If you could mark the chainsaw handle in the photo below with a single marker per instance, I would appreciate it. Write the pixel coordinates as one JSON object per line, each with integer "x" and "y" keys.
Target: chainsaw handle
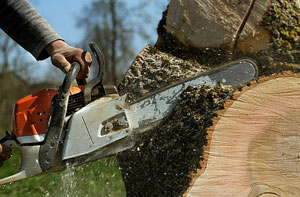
{"x": 81, "y": 82}
{"x": 29, "y": 165}
{"x": 101, "y": 69}
{"x": 70, "y": 77}
{"x": 97, "y": 81}
{"x": 48, "y": 150}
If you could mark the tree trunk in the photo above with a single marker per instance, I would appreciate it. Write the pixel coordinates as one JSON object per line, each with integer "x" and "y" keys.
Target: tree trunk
{"x": 219, "y": 141}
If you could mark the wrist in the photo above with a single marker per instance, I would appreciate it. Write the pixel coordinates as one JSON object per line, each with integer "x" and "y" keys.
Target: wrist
{"x": 55, "y": 45}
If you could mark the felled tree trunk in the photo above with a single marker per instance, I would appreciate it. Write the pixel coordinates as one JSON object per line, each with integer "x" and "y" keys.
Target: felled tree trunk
{"x": 219, "y": 141}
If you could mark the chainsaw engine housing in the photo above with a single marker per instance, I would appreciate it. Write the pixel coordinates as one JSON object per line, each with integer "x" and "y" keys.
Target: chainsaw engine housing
{"x": 31, "y": 114}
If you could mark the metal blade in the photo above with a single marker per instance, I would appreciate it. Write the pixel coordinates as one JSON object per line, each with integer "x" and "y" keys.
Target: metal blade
{"x": 152, "y": 108}
{"x": 81, "y": 147}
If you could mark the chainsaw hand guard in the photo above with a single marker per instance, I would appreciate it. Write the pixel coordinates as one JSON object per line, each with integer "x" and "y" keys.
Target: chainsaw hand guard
{"x": 37, "y": 159}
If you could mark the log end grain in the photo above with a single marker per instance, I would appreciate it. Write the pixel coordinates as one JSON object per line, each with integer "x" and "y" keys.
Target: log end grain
{"x": 253, "y": 147}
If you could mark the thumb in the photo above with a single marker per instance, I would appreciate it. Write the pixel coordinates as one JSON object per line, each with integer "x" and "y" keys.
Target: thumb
{"x": 60, "y": 62}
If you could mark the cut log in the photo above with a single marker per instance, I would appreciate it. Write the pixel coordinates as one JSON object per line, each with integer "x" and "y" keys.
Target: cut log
{"x": 212, "y": 23}
{"x": 253, "y": 147}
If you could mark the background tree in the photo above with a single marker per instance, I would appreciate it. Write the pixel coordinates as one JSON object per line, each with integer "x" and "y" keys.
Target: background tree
{"x": 105, "y": 24}
{"x": 12, "y": 57}
{"x": 115, "y": 25}
{"x": 16, "y": 78}
{"x": 11, "y": 67}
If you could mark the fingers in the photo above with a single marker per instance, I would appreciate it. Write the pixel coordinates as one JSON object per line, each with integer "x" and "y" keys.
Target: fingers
{"x": 61, "y": 62}
{"x": 63, "y": 58}
{"x": 62, "y": 55}
{"x": 5, "y": 153}
{"x": 85, "y": 60}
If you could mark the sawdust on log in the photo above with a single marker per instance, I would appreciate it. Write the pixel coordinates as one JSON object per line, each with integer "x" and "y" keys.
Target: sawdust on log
{"x": 163, "y": 160}
{"x": 153, "y": 69}
{"x": 283, "y": 22}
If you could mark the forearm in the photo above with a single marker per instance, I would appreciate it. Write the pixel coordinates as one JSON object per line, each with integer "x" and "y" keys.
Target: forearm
{"x": 27, "y": 27}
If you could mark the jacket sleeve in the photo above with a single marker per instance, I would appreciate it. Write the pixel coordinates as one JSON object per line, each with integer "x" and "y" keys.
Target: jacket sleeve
{"x": 27, "y": 27}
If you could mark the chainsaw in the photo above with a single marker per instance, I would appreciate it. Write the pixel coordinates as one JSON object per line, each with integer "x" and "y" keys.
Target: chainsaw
{"x": 71, "y": 126}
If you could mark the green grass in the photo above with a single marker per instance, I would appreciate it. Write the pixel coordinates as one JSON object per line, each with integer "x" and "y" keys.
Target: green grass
{"x": 99, "y": 178}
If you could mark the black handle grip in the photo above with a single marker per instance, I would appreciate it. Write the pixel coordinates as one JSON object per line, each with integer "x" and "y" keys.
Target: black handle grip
{"x": 100, "y": 60}
{"x": 81, "y": 82}
{"x": 97, "y": 81}
{"x": 48, "y": 151}
{"x": 70, "y": 77}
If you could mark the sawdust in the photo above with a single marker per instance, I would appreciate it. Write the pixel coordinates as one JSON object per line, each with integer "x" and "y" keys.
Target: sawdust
{"x": 282, "y": 21}
{"x": 153, "y": 69}
{"x": 161, "y": 163}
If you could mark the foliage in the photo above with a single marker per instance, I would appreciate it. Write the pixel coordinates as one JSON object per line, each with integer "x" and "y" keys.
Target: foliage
{"x": 105, "y": 24}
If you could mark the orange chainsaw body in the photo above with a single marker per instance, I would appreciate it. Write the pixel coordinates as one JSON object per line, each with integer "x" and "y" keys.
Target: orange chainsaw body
{"x": 31, "y": 115}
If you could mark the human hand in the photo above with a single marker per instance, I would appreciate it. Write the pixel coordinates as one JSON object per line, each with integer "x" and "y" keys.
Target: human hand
{"x": 62, "y": 55}
{"x": 5, "y": 153}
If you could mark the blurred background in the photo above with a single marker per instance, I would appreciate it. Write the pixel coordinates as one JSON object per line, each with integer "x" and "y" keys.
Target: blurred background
{"x": 121, "y": 29}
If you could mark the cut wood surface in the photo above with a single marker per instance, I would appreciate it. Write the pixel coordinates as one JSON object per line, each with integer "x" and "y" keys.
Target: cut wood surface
{"x": 212, "y": 23}
{"x": 254, "y": 146}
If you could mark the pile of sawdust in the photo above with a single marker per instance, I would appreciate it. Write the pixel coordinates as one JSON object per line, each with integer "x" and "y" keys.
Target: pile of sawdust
{"x": 163, "y": 160}
{"x": 152, "y": 70}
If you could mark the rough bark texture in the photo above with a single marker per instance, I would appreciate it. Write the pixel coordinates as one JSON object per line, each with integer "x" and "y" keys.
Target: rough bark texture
{"x": 274, "y": 44}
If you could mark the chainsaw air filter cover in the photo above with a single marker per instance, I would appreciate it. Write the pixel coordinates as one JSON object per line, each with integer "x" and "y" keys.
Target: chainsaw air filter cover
{"x": 31, "y": 114}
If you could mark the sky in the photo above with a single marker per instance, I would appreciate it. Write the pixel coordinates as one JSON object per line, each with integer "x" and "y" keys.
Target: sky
{"x": 62, "y": 15}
